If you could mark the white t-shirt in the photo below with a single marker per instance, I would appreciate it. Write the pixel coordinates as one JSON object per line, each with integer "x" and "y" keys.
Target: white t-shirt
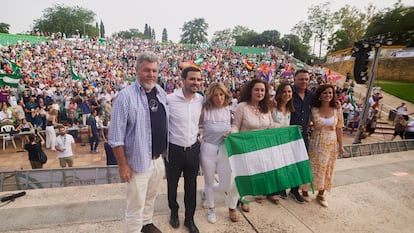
{"x": 65, "y": 142}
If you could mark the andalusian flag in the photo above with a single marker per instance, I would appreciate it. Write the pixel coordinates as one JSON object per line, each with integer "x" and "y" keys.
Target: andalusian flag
{"x": 267, "y": 161}
{"x": 9, "y": 80}
{"x": 72, "y": 72}
{"x": 15, "y": 67}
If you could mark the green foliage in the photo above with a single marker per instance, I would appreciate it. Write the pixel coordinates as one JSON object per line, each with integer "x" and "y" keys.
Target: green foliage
{"x": 102, "y": 30}
{"x": 131, "y": 33}
{"x": 403, "y": 90}
{"x": 68, "y": 20}
{"x": 164, "y": 35}
{"x": 320, "y": 21}
{"x": 398, "y": 21}
{"x": 304, "y": 31}
{"x": 353, "y": 24}
{"x": 194, "y": 31}
{"x": 223, "y": 38}
{"x": 4, "y": 28}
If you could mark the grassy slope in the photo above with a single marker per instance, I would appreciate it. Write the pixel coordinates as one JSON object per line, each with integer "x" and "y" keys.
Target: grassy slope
{"x": 403, "y": 90}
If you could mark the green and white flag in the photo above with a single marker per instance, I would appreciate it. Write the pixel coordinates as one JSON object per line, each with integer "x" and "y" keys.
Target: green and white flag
{"x": 9, "y": 80}
{"x": 267, "y": 161}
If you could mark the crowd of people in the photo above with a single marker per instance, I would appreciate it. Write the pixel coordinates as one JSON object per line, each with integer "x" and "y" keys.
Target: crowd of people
{"x": 168, "y": 113}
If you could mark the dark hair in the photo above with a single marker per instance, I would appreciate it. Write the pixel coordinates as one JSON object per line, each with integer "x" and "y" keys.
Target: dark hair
{"x": 278, "y": 97}
{"x": 189, "y": 69}
{"x": 246, "y": 94}
{"x": 316, "y": 102}
{"x": 301, "y": 71}
{"x": 31, "y": 138}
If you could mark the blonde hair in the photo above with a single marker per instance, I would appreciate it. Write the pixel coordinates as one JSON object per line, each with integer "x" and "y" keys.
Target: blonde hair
{"x": 210, "y": 94}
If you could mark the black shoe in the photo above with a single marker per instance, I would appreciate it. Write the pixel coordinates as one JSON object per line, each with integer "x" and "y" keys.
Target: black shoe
{"x": 282, "y": 194}
{"x": 297, "y": 197}
{"x": 191, "y": 227}
{"x": 174, "y": 221}
{"x": 150, "y": 228}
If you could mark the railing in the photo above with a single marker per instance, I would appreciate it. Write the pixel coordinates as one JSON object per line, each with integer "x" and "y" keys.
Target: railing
{"x": 64, "y": 177}
{"x": 357, "y": 150}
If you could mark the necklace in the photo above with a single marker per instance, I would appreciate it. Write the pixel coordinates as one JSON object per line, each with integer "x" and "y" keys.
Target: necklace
{"x": 257, "y": 112}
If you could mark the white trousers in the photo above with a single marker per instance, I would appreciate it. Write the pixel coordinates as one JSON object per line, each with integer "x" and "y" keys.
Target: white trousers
{"x": 213, "y": 158}
{"x": 84, "y": 118}
{"x": 50, "y": 137}
{"x": 141, "y": 192}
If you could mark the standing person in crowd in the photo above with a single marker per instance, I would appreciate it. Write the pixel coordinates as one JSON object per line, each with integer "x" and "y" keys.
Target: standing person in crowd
{"x": 402, "y": 109}
{"x": 51, "y": 121}
{"x": 326, "y": 140}
{"x": 93, "y": 132}
{"x": 86, "y": 112}
{"x": 346, "y": 109}
{"x": 216, "y": 122}
{"x": 64, "y": 146}
{"x": 183, "y": 157}
{"x": 302, "y": 99}
{"x": 138, "y": 138}
{"x": 34, "y": 147}
{"x": 281, "y": 115}
{"x": 253, "y": 113}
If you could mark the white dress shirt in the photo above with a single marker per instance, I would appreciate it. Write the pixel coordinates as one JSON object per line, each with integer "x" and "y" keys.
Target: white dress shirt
{"x": 184, "y": 118}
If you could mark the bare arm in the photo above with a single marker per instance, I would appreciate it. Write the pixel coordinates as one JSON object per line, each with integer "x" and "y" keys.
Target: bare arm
{"x": 125, "y": 171}
{"x": 339, "y": 131}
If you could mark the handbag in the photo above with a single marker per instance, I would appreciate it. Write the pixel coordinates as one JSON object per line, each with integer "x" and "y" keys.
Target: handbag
{"x": 42, "y": 157}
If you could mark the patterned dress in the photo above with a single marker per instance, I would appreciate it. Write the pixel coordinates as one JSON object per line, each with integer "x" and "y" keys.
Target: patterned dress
{"x": 323, "y": 148}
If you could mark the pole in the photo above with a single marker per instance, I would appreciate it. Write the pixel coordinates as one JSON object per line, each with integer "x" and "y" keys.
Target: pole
{"x": 362, "y": 119}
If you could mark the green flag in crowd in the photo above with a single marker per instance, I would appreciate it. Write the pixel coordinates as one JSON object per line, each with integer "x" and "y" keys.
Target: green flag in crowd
{"x": 9, "y": 79}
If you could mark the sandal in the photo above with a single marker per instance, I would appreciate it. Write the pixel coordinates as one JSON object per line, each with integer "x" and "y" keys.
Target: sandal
{"x": 321, "y": 200}
{"x": 273, "y": 199}
{"x": 258, "y": 199}
{"x": 234, "y": 216}
{"x": 244, "y": 205}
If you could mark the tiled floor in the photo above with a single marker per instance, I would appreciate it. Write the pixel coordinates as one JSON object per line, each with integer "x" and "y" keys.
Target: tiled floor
{"x": 16, "y": 159}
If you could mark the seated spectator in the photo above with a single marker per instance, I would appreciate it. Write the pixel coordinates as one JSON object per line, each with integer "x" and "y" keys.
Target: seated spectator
{"x": 6, "y": 116}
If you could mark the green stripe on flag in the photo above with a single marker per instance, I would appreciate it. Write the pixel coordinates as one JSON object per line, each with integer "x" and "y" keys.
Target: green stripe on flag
{"x": 276, "y": 180}
{"x": 267, "y": 138}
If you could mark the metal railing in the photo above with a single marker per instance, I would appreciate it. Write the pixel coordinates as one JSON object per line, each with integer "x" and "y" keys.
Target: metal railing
{"x": 64, "y": 177}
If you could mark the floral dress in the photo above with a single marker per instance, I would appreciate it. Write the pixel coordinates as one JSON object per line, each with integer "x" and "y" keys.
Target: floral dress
{"x": 324, "y": 148}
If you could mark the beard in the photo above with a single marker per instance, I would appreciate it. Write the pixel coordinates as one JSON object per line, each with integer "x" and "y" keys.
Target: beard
{"x": 148, "y": 87}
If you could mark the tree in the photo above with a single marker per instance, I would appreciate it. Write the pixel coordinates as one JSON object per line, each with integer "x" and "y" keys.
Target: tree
{"x": 4, "y": 28}
{"x": 97, "y": 26}
{"x": 223, "y": 38}
{"x": 248, "y": 38}
{"x": 153, "y": 34}
{"x": 303, "y": 30}
{"x": 164, "y": 35}
{"x": 398, "y": 21}
{"x": 353, "y": 24}
{"x": 149, "y": 36}
{"x": 270, "y": 37}
{"x": 321, "y": 22}
{"x": 194, "y": 31}
{"x": 293, "y": 44}
{"x": 146, "y": 30}
{"x": 68, "y": 20}
{"x": 102, "y": 29}
{"x": 131, "y": 33}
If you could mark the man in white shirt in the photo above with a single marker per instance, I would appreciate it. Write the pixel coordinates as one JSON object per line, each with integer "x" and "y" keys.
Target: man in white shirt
{"x": 64, "y": 144}
{"x": 183, "y": 156}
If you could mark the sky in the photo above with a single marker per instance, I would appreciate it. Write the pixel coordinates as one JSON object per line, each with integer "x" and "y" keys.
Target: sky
{"x": 119, "y": 15}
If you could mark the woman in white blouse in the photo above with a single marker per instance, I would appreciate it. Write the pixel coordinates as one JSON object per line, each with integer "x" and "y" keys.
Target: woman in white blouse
{"x": 281, "y": 116}
{"x": 253, "y": 113}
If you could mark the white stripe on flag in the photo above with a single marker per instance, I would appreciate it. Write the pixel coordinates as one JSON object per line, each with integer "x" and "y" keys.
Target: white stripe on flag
{"x": 268, "y": 159}
{"x": 7, "y": 79}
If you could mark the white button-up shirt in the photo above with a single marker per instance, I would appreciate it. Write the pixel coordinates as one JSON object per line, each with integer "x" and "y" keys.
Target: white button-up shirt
{"x": 184, "y": 118}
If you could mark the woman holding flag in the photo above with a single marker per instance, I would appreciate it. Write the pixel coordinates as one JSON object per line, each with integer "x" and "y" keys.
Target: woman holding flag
{"x": 215, "y": 121}
{"x": 325, "y": 143}
{"x": 253, "y": 113}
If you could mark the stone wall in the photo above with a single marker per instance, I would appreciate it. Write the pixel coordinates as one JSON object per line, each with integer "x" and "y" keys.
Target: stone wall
{"x": 398, "y": 69}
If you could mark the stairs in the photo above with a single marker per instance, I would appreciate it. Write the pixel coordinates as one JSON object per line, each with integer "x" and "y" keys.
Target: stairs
{"x": 384, "y": 127}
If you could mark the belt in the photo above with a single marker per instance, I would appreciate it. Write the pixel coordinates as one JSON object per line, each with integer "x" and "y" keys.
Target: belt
{"x": 185, "y": 149}
{"x": 154, "y": 157}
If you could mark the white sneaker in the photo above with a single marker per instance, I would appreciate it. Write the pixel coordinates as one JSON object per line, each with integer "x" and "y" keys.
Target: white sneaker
{"x": 203, "y": 199}
{"x": 211, "y": 215}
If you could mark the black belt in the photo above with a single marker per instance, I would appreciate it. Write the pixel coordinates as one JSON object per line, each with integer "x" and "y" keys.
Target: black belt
{"x": 188, "y": 148}
{"x": 156, "y": 156}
